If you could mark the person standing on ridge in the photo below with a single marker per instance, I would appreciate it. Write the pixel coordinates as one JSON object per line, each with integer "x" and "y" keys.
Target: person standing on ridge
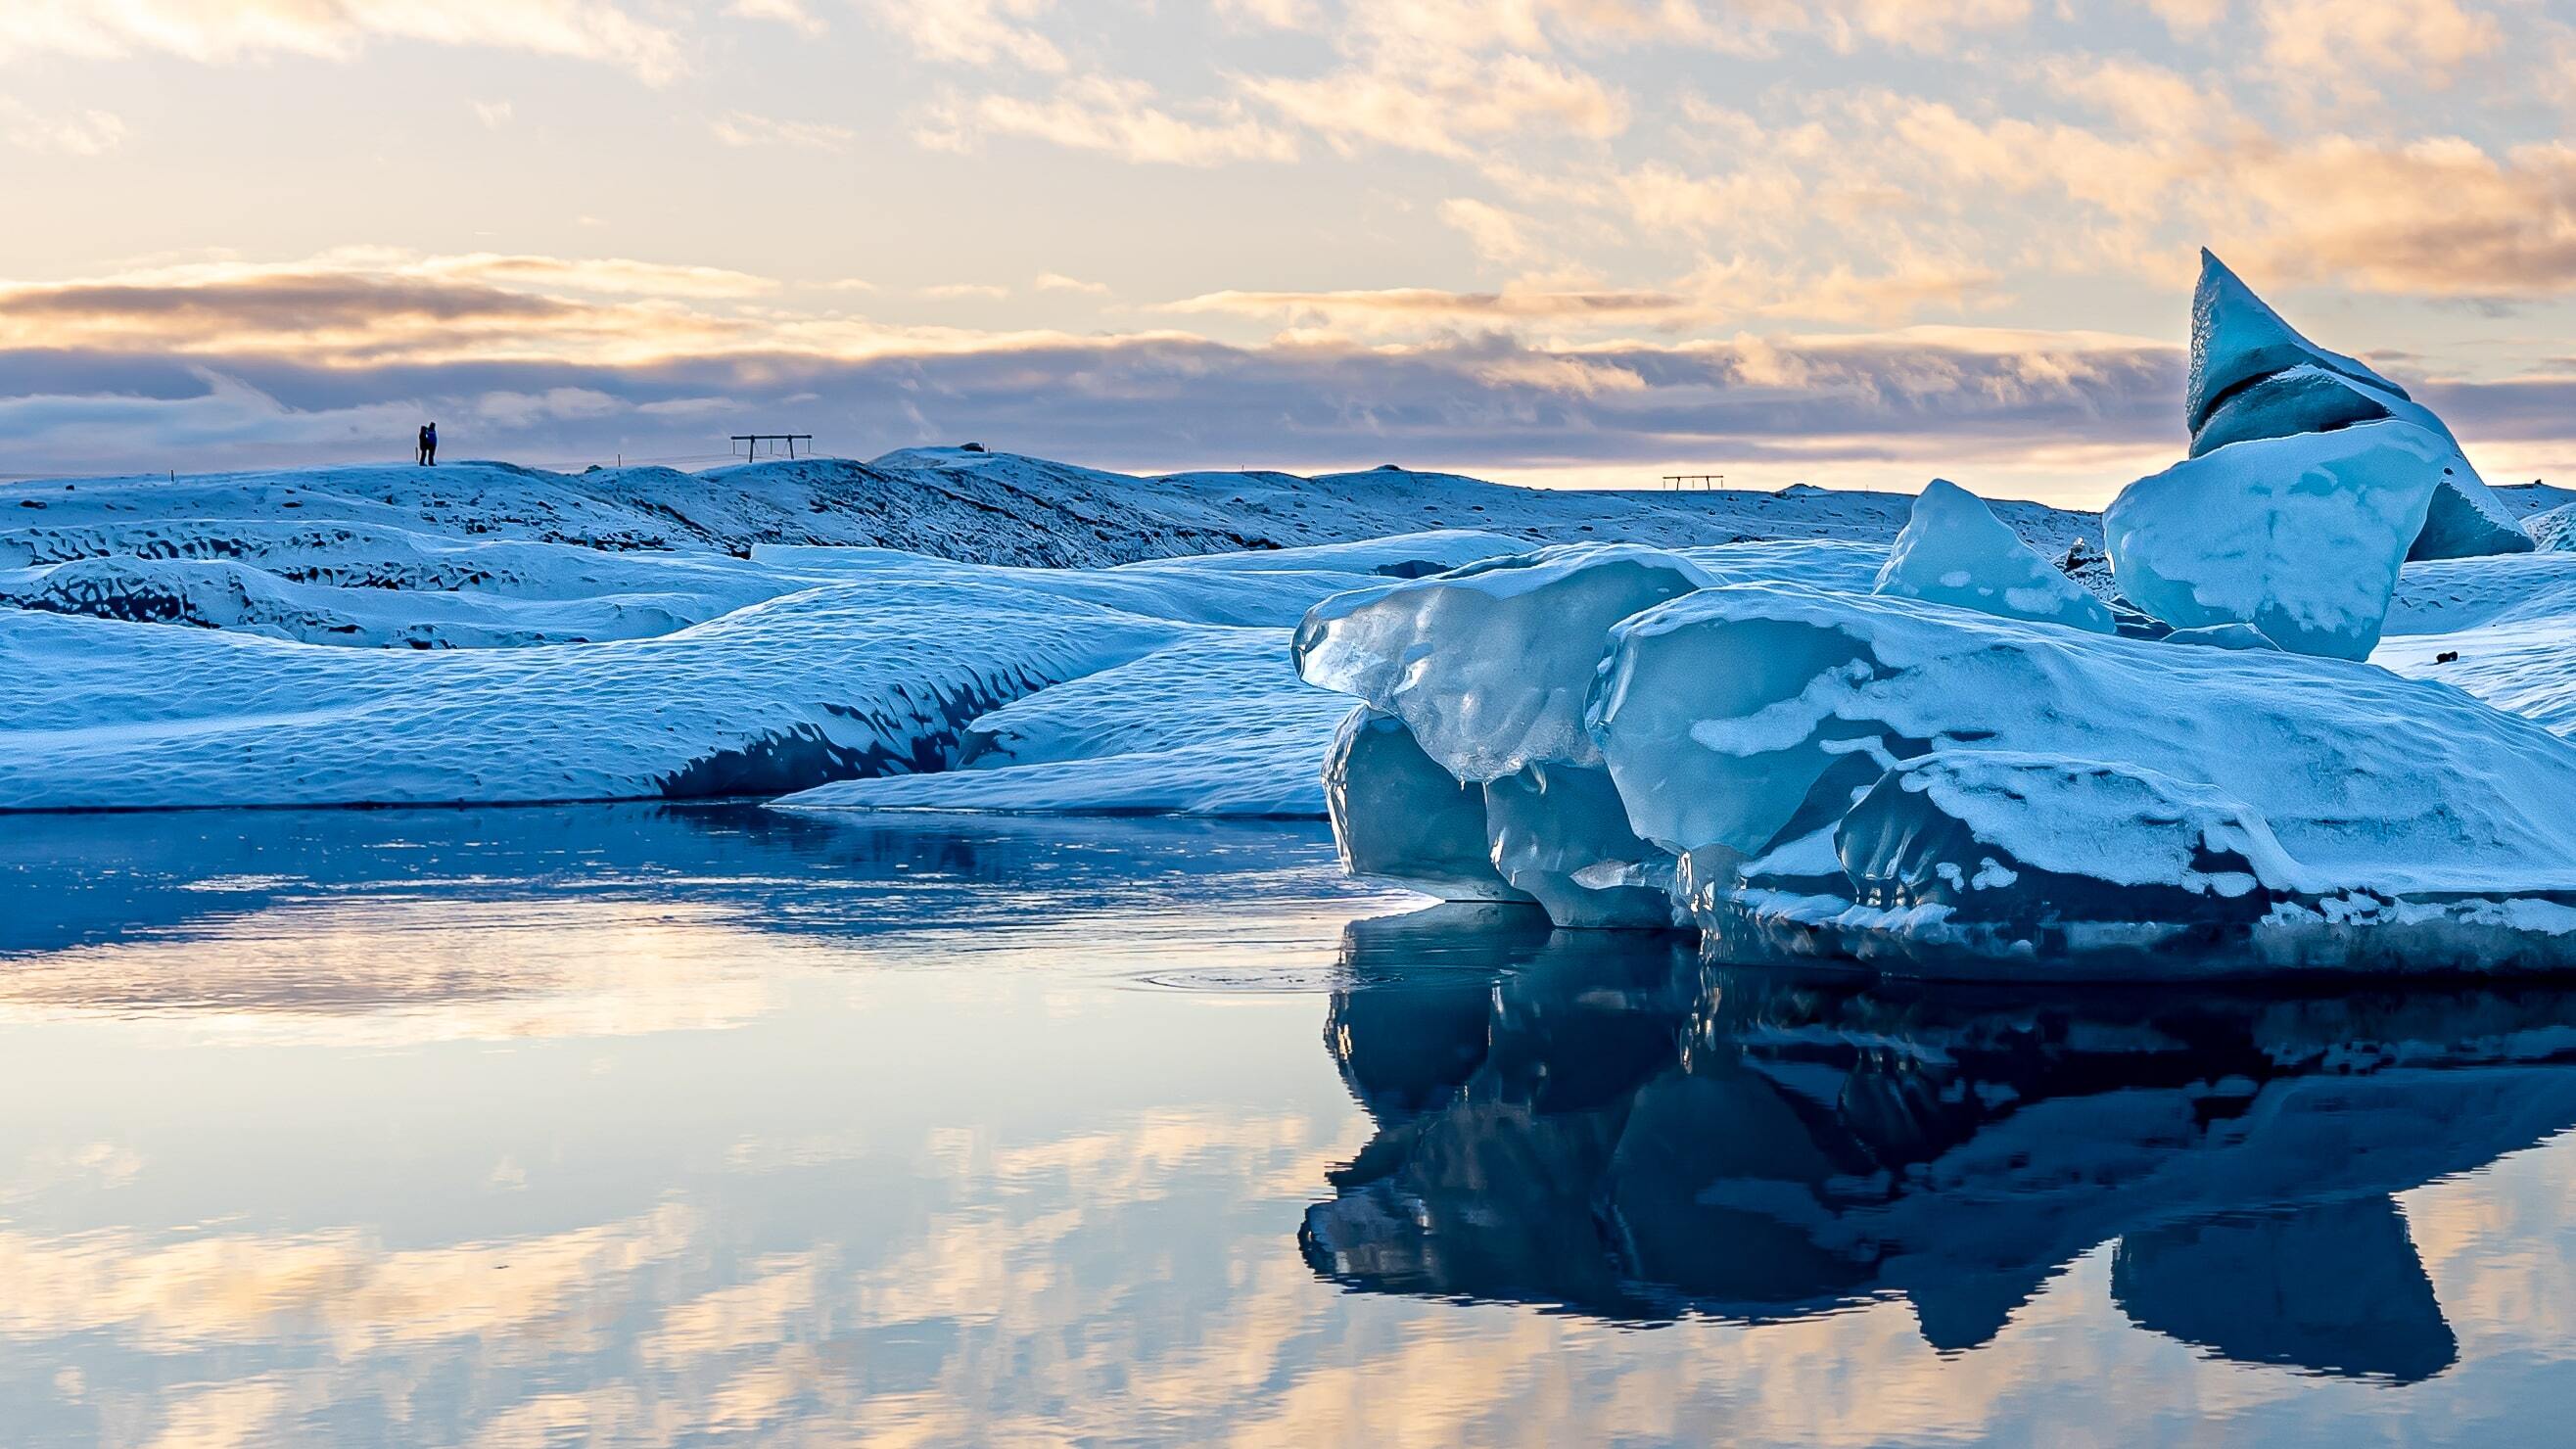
{"x": 428, "y": 445}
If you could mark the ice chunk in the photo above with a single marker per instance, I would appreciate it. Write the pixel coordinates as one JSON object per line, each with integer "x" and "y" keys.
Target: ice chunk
{"x": 1398, "y": 816}
{"x": 1818, "y": 563}
{"x": 1488, "y": 665}
{"x": 1955, "y": 551}
{"x": 2236, "y": 339}
{"x": 2467, "y": 520}
{"x": 2301, "y": 537}
{"x": 2305, "y": 399}
{"x": 2253, "y": 377}
{"x": 1561, "y": 834}
{"x": 2125, "y": 843}
{"x": 1747, "y": 719}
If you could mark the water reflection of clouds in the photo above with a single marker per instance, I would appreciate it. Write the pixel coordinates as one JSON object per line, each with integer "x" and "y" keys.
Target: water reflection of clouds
{"x": 410, "y": 972}
{"x": 952, "y": 1205}
{"x": 1037, "y": 1306}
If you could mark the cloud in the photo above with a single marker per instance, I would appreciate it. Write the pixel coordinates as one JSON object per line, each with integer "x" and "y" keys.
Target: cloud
{"x": 2337, "y": 44}
{"x": 244, "y": 30}
{"x": 744, "y": 129}
{"x": 973, "y": 291}
{"x": 1923, "y": 25}
{"x": 493, "y": 114}
{"x": 1059, "y": 282}
{"x": 87, "y": 132}
{"x": 379, "y": 304}
{"x": 139, "y": 430}
{"x": 790, "y": 13}
{"x": 1782, "y": 407}
{"x": 1121, "y": 117}
{"x": 1445, "y": 104}
{"x": 2438, "y": 217}
{"x": 1276, "y": 14}
{"x": 974, "y": 32}
{"x": 2189, "y": 18}
{"x": 1410, "y": 306}
{"x": 1496, "y": 234}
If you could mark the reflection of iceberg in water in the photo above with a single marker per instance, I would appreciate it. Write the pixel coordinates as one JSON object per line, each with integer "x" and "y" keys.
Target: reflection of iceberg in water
{"x": 2331, "y": 1285}
{"x": 1606, "y": 1126}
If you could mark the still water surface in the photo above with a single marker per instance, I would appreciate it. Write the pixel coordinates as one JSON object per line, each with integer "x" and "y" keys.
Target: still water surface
{"x": 721, "y": 1124}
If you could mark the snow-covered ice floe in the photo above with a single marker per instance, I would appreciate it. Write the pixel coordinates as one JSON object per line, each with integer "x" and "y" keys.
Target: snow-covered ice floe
{"x": 1937, "y": 789}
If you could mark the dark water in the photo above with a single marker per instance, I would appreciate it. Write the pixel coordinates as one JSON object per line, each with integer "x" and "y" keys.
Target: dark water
{"x": 676, "y": 1125}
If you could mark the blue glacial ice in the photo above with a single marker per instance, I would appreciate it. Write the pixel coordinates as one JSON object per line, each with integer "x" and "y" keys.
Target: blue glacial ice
{"x": 1955, "y": 551}
{"x": 2254, "y": 376}
{"x": 1938, "y": 790}
{"x": 2300, "y": 537}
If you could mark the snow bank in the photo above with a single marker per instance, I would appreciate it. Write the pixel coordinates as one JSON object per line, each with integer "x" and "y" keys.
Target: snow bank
{"x": 847, "y": 663}
{"x": 1216, "y": 723}
{"x": 2502, "y": 629}
{"x": 832, "y": 682}
{"x": 2553, "y": 531}
{"x": 383, "y": 588}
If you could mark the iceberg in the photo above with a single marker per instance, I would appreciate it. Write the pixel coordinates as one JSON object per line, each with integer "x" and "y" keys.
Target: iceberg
{"x": 1398, "y": 816}
{"x": 2301, "y": 537}
{"x": 1560, "y": 834}
{"x": 2255, "y": 377}
{"x": 1488, "y": 665}
{"x": 1955, "y": 551}
{"x": 1999, "y": 795}
{"x": 2237, "y": 339}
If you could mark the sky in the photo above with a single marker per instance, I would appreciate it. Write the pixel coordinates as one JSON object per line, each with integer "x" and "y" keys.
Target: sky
{"x": 1854, "y": 243}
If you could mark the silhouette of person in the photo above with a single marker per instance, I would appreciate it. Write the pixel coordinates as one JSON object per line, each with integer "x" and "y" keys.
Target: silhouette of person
{"x": 429, "y": 445}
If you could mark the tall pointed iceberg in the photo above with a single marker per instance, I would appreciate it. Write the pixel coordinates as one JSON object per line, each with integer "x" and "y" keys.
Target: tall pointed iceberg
{"x": 2254, "y": 376}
